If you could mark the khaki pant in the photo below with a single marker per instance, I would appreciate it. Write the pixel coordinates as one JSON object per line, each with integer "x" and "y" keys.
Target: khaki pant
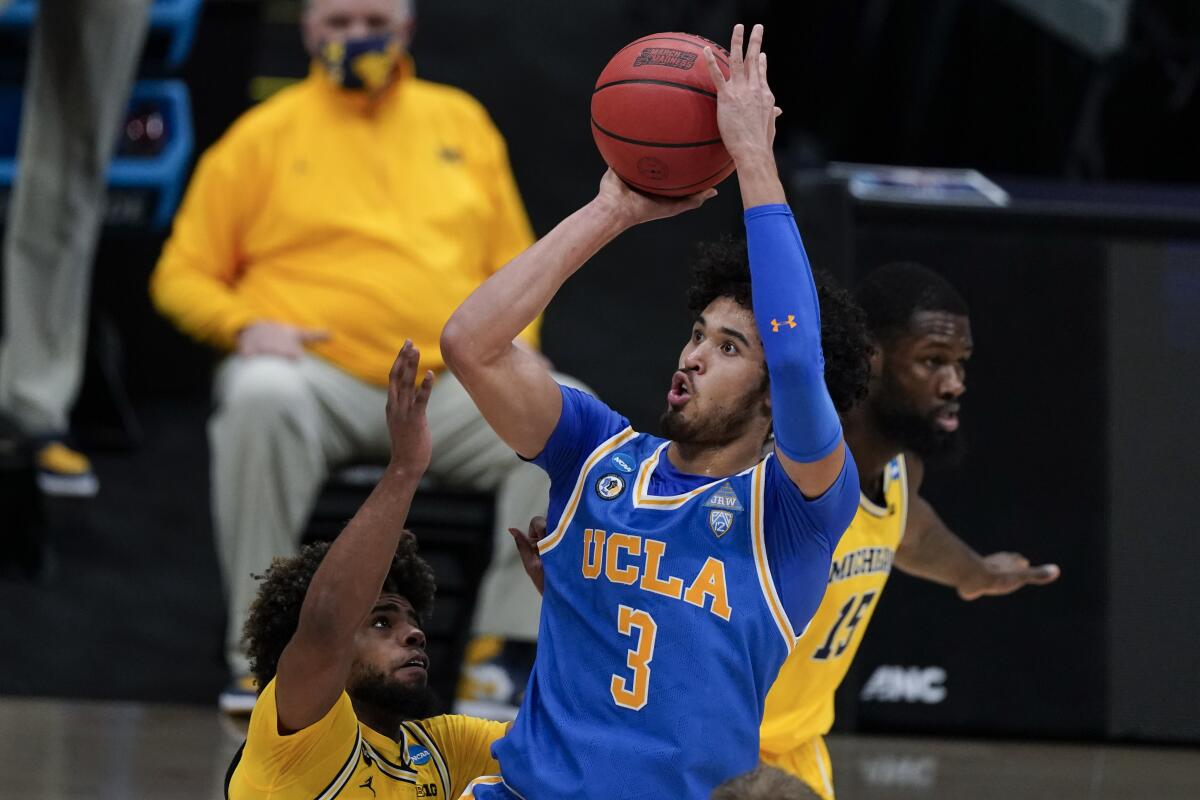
{"x": 281, "y": 425}
{"x": 82, "y": 62}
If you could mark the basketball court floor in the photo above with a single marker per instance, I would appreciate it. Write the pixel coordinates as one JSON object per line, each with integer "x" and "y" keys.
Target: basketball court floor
{"x": 64, "y": 750}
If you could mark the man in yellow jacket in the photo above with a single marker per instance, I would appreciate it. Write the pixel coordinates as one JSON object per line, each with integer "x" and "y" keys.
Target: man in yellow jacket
{"x": 346, "y": 214}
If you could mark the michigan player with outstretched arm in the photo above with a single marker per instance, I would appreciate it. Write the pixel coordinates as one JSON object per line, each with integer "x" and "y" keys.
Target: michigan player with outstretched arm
{"x": 678, "y": 571}
{"x": 922, "y": 337}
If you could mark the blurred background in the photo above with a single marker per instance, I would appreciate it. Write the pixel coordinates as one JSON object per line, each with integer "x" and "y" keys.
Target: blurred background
{"x": 1082, "y": 273}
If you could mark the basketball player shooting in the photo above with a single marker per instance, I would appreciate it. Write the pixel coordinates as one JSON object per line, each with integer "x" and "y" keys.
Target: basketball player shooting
{"x": 678, "y": 571}
{"x": 681, "y": 570}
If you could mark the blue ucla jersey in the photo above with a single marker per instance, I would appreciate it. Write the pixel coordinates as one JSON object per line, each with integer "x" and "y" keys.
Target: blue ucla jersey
{"x": 671, "y": 601}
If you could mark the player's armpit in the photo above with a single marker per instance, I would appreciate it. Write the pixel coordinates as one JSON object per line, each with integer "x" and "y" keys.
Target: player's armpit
{"x": 814, "y": 478}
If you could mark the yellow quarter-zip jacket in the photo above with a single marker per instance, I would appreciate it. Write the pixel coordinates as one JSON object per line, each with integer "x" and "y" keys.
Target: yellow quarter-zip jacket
{"x": 372, "y": 222}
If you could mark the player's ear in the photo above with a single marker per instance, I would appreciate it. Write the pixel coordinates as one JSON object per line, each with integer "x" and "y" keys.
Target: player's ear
{"x": 876, "y": 359}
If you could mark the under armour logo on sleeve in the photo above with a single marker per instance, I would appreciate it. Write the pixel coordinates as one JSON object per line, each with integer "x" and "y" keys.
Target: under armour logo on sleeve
{"x": 790, "y": 322}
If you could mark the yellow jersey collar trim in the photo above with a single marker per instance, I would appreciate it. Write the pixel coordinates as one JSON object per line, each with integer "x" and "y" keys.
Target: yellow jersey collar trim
{"x": 383, "y": 745}
{"x": 870, "y": 506}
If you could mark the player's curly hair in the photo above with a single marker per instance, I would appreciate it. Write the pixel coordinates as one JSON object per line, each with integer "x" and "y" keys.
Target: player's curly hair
{"x": 275, "y": 613}
{"x": 722, "y": 269}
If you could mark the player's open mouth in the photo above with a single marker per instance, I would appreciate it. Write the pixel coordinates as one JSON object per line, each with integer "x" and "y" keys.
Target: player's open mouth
{"x": 416, "y": 661}
{"x": 681, "y": 390}
{"x": 947, "y": 419}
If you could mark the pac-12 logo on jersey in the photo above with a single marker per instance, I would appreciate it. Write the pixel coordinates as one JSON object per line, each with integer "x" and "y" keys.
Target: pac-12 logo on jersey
{"x": 720, "y": 521}
{"x": 609, "y": 486}
{"x": 622, "y": 462}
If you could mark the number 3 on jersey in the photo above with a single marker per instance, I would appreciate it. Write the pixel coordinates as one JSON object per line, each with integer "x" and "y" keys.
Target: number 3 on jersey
{"x": 823, "y": 652}
{"x": 632, "y": 693}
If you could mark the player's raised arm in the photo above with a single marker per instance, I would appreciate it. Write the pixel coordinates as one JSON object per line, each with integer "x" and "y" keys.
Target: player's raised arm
{"x": 930, "y": 550}
{"x": 808, "y": 433}
{"x": 512, "y": 387}
{"x": 314, "y": 665}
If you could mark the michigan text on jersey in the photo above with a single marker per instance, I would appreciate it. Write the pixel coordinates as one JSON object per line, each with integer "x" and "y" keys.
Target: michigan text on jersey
{"x": 863, "y": 561}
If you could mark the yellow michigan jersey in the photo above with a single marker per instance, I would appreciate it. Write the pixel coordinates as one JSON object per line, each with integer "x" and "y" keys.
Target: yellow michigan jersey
{"x": 340, "y": 757}
{"x": 799, "y": 708}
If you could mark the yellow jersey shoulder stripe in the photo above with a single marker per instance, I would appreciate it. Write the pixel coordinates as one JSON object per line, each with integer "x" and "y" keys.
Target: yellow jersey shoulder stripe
{"x": 604, "y": 448}
{"x": 422, "y": 736}
{"x": 903, "y": 495}
{"x": 343, "y": 777}
{"x": 388, "y": 768}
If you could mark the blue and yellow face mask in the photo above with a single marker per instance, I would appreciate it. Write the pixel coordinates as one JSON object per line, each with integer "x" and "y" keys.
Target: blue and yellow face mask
{"x": 368, "y": 63}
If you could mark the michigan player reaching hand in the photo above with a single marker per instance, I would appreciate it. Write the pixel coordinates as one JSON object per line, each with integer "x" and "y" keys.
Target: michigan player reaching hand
{"x": 680, "y": 570}
{"x": 922, "y": 337}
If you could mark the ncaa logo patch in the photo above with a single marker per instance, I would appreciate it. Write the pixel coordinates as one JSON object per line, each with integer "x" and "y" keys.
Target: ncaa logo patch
{"x": 622, "y": 462}
{"x": 894, "y": 470}
{"x": 720, "y": 521}
{"x": 417, "y": 755}
{"x": 609, "y": 486}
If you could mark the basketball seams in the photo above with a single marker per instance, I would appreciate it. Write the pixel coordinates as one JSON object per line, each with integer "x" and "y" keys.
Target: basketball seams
{"x": 655, "y": 82}
{"x": 660, "y": 189}
{"x": 642, "y": 143}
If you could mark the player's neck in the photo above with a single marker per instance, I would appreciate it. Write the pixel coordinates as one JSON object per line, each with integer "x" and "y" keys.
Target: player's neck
{"x": 872, "y": 450}
{"x": 383, "y": 722}
{"x": 716, "y": 461}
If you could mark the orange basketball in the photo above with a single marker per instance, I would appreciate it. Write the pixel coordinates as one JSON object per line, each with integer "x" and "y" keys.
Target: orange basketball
{"x": 654, "y": 115}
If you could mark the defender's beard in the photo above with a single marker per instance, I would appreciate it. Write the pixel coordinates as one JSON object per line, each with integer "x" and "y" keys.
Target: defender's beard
{"x": 903, "y": 424}
{"x": 374, "y": 688}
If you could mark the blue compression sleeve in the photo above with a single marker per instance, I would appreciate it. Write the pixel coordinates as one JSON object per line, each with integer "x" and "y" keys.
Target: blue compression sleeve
{"x": 788, "y": 314}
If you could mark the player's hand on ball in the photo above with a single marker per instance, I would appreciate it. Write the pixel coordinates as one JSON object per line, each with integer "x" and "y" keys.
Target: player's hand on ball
{"x": 633, "y": 207}
{"x": 1004, "y": 573}
{"x": 526, "y": 543}
{"x": 407, "y": 426}
{"x": 746, "y": 108}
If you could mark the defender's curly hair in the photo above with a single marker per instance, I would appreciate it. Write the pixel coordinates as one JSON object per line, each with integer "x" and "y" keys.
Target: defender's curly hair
{"x": 275, "y": 613}
{"x": 722, "y": 269}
